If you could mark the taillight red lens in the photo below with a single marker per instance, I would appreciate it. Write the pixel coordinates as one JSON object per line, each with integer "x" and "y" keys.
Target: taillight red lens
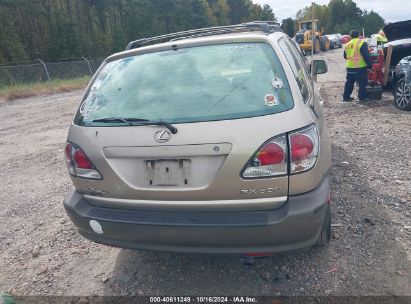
{"x": 81, "y": 160}
{"x": 78, "y": 163}
{"x": 271, "y": 154}
{"x": 301, "y": 147}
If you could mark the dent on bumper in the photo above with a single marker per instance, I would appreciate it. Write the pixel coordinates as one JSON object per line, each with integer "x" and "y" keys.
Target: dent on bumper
{"x": 295, "y": 225}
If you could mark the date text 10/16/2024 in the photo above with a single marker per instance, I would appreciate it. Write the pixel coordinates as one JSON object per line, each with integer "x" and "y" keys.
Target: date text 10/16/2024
{"x": 204, "y": 299}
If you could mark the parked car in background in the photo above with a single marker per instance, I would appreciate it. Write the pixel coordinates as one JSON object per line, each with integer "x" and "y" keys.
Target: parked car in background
{"x": 399, "y": 36}
{"x": 402, "y": 88}
{"x": 345, "y": 39}
{"x": 335, "y": 41}
{"x": 210, "y": 141}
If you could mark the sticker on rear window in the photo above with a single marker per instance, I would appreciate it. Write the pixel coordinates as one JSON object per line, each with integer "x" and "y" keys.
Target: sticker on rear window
{"x": 242, "y": 47}
{"x": 270, "y": 100}
{"x": 277, "y": 83}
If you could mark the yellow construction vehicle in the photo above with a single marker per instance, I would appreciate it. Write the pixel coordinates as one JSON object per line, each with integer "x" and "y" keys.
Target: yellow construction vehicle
{"x": 305, "y": 39}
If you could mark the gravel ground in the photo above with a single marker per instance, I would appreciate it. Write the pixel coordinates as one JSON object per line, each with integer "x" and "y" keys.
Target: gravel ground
{"x": 41, "y": 253}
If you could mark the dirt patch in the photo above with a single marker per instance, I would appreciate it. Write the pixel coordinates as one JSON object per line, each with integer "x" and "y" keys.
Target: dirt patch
{"x": 42, "y": 253}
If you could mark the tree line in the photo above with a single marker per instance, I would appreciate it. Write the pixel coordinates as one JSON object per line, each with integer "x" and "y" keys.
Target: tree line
{"x": 338, "y": 16}
{"x": 65, "y": 29}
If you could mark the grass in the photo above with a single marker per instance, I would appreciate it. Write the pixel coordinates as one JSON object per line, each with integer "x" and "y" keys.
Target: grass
{"x": 42, "y": 88}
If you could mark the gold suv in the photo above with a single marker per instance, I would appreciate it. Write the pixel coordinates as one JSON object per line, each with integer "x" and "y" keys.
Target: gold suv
{"x": 211, "y": 140}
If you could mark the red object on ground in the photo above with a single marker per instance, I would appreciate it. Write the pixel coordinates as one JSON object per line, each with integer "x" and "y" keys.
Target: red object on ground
{"x": 376, "y": 76}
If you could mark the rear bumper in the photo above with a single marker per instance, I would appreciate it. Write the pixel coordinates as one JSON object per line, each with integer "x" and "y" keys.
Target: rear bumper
{"x": 293, "y": 226}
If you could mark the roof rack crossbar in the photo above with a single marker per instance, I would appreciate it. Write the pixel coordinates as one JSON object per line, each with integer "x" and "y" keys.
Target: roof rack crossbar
{"x": 253, "y": 26}
{"x": 202, "y": 34}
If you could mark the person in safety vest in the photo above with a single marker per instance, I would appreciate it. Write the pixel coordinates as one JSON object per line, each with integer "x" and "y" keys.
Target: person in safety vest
{"x": 358, "y": 61}
{"x": 381, "y": 38}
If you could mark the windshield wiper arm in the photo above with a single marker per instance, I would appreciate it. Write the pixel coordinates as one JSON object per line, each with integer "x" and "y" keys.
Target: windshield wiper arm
{"x": 128, "y": 121}
{"x": 138, "y": 121}
{"x": 166, "y": 124}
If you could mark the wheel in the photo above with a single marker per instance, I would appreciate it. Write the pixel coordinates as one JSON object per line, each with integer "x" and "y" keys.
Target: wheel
{"x": 325, "y": 44}
{"x": 402, "y": 95}
{"x": 317, "y": 46}
{"x": 325, "y": 234}
{"x": 332, "y": 45}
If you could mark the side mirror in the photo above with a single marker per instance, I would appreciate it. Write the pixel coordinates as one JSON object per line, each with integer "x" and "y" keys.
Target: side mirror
{"x": 319, "y": 66}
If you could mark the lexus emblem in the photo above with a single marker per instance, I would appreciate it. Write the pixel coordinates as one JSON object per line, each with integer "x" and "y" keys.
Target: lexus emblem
{"x": 162, "y": 136}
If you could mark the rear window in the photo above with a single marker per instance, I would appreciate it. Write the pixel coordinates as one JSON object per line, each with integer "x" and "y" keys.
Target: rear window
{"x": 205, "y": 83}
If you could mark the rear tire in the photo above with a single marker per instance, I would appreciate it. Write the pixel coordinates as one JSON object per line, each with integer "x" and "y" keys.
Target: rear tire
{"x": 402, "y": 95}
{"x": 317, "y": 46}
{"x": 325, "y": 234}
{"x": 325, "y": 44}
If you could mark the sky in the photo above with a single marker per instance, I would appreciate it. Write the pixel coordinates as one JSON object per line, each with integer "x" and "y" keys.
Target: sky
{"x": 390, "y": 10}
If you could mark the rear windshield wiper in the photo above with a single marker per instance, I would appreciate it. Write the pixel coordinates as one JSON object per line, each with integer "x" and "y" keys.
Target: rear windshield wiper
{"x": 138, "y": 122}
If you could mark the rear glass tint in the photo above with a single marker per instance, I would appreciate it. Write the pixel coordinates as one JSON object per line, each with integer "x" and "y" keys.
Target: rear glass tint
{"x": 205, "y": 83}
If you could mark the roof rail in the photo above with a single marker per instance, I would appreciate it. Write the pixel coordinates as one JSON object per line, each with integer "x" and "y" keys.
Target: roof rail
{"x": 263, "y": 26}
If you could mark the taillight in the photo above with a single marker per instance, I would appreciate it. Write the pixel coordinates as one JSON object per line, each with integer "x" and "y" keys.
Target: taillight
{"x": 270, "y": 160}
{"x": 304, "y": 146}
{"x": 78, "y": 163}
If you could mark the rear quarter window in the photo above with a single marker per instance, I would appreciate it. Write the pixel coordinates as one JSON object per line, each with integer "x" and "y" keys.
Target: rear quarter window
{"x": 297, "y": 66}
{"x": 204, "y": 83}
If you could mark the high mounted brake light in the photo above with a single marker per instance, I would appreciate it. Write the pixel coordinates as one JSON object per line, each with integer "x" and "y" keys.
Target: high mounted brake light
{"x": 78, "y": 163}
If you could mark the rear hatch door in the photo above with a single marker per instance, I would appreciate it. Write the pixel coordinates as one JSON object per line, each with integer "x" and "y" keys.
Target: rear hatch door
{"x": 226, "y": 100}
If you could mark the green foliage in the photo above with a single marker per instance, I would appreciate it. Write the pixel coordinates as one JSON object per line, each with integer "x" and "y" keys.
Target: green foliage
{"x": 341, "y": 16}
{"x": 11, "y": 48}
{"x": 66, "y": 29}
{"x": 240, "y": 10}
{"x": 268, "y": 14}
{"x": 372, "y": 22}
{"x": 288, "y": 26}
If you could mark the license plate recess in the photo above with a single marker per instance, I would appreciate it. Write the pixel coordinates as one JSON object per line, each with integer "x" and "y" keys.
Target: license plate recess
{"x": 168, "y": 172}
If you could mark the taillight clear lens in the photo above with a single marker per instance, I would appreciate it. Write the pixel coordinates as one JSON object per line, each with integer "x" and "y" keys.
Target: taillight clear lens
{"x": 78, "y": 163}
{"x": 270, "y": 160}
{"x": 304, "y": 147}
{"x": 67, "y": 153}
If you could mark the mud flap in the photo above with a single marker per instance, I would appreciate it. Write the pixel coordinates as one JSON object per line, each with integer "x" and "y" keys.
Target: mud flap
{"x": 325, "y": 234}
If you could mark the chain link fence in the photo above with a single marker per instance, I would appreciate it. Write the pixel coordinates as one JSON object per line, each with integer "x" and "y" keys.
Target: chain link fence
{"x": 43, "y": 71}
